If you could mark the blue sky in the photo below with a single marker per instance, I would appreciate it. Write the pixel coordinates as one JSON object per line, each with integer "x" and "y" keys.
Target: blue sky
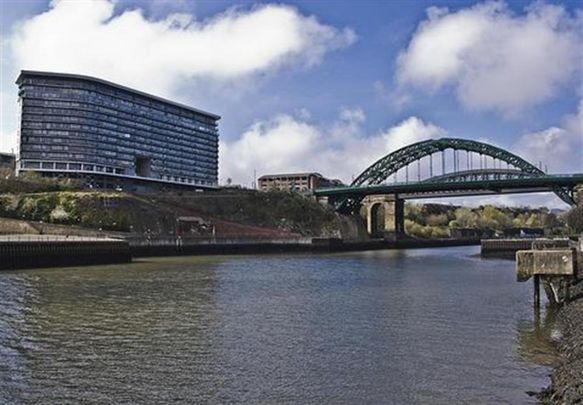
{"x": 327, "y": 85}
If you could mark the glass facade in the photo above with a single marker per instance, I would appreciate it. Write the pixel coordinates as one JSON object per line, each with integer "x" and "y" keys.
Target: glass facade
{"x": 71, "y": 124}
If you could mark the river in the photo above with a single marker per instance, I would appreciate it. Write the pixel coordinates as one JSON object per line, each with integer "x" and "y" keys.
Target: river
{"x": 434, "y": 326}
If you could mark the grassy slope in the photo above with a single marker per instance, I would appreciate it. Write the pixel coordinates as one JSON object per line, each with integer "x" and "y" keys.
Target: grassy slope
{"x": 233, "y": 213}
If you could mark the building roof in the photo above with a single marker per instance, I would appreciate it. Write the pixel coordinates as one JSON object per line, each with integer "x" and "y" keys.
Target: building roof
{"x": 268, "y": 176}
{"x": 111, "y": 84}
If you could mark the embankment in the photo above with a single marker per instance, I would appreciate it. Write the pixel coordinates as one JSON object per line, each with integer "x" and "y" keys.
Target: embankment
{"x": 224, "y": 214}
{"x": 178, "y": 247}
{"x": 567, "y": 378}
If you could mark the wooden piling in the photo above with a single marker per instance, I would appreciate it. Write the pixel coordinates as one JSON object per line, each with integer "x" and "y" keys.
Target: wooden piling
{"x": 536, "y": 281}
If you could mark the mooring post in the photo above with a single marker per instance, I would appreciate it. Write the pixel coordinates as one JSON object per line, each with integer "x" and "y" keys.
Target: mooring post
{"x": 536, "y": 280}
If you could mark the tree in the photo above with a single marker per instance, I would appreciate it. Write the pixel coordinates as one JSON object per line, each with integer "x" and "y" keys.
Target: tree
{"x": 415, "y": 213}
{"x": 533, "y": 221}
{"x": 574, "y": 219}
{"x": 437, "y": 220}
{"x": 464, "y": 218}
{"x": 494, "y": 218}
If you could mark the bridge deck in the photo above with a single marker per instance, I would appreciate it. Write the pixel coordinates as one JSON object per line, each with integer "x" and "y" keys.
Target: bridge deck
{"x": 422, "y": 189}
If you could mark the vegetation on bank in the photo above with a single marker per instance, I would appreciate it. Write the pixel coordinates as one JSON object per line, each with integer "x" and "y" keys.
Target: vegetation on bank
{"x": 157, "y": 213}
{"x": 574, "y": 219}
{"x": 63, "y": 201}
{"x": 31, "y": 182}
{"x": 272, "y": 209}
{"x": 437, "y": 220}
{"x": 98, "y": 210}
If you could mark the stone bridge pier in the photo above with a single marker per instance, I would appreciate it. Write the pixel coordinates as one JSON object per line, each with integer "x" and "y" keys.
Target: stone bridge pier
{"x": 579, "y": 195}
{"x": 384, "y": 216}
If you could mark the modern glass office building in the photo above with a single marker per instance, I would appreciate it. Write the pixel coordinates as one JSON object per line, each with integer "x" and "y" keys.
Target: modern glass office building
{"x": 113, "y": 136}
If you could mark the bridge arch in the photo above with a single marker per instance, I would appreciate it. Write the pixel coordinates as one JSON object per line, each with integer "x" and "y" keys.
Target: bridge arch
{"x": 379, "y": 172}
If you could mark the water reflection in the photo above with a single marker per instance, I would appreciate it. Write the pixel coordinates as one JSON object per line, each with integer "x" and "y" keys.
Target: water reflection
{"x": 537, "y": 337}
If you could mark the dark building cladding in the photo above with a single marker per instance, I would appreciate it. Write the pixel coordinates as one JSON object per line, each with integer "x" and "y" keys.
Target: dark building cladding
{"x": 113, "y": 136}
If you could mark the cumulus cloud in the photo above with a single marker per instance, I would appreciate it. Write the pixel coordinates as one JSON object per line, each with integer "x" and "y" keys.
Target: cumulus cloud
{"x": 88, "y": 37}
{"x": 290, "y": 144}
{"x": 560, "y": 148}
{"x": 495, "y": 60}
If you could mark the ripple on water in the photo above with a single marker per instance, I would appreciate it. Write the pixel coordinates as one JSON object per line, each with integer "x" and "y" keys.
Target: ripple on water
{"x": 427, "y": 326}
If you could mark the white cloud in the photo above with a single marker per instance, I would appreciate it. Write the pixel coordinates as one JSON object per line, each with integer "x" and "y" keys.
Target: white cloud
{"x": 560, "y": 148}
{"x": 279, "y": 144}
{"x": 290, "y": 144}
{"x": 7, "y": 142}
{"x": 410, "y": 131}
{"x": 87, "y": 37}
{"x": 494, "y": 59}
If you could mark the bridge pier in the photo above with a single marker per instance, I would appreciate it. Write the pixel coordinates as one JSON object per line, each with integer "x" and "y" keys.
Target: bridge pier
{"x": 399, "y": 218}
{"x": 384, "y": 215}
{"x": 579, "y": 195}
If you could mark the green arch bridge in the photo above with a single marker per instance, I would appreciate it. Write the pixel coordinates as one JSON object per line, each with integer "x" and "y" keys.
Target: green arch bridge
{"x": 464, "y": 168}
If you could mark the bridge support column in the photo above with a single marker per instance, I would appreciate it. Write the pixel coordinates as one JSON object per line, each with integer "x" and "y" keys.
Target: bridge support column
{"x": 384, "y": 215}
{"x": 579, "y": 195}
{"x": 399, "y": 218}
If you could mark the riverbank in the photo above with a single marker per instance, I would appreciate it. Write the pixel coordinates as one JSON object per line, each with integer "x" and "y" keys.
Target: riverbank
{"x": 35, "y": 251}
{"x": 180, "y": 247}
{"x": 567, "y": 378}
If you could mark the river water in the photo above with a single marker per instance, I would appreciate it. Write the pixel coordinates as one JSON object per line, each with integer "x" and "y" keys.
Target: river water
{"x": 435, "y": 326}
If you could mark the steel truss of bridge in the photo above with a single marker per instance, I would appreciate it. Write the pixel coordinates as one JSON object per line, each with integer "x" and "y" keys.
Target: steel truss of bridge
{"x": 462, "y": 184}
{"x": 519, "y": 176}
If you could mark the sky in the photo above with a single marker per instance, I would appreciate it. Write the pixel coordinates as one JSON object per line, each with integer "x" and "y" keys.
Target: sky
{"x": 326, "y": 85}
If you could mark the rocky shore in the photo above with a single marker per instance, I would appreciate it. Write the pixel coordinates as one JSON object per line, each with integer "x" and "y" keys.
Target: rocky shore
{"x": 567, "y": 378}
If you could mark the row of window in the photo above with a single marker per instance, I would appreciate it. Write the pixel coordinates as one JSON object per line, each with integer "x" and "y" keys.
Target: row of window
{"x": 83, "y": 167}
{"x": 107, "y": 102}
{"x": 158, "y": 167}
{"x": 105, "y": 146}
{"x": 112, "y": 139}
{"x": 111, "y": 91}
{"x": 88, "y": 110}
{"x": 123, "y": 132}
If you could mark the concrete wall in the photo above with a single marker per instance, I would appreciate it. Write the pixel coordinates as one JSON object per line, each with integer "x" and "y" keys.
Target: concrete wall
{"x": 557, "y": 262}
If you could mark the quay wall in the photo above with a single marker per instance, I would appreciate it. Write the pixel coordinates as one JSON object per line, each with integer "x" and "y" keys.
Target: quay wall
{"x": 51, "y": 253}
{"x": 176, "y": 247}
{"x": 507, "y": 248}
{"x": 37, "y": 251}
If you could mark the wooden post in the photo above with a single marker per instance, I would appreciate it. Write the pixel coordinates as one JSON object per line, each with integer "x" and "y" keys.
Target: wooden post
{"x": 567, "y": 286}
{"x": 536, "y": 279}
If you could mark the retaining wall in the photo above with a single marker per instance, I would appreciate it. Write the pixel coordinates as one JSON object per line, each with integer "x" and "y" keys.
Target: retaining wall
{"x": 175, "y": 247}
{"x": 509, "y": 247}
{"x": 32, "y": 254}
